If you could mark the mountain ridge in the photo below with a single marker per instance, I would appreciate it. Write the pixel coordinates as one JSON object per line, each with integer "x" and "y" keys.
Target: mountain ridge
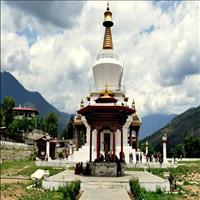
{"x": 10, "y": 86}
{"x": 154, "y": 122}
{"x": 182, "y": 126}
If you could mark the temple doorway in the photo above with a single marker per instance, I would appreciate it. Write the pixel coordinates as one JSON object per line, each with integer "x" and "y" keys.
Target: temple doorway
{"x": 106, "y": 142}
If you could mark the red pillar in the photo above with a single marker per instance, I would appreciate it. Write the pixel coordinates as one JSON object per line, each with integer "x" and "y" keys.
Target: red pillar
{"x": 98, "y": 144}
{"x": 131, "y": 142}
{"x": 91, "y": 144}
{"x": 121, "y": 143}
{"x": 114, "y": 145}
{"x": 137, "y": 139}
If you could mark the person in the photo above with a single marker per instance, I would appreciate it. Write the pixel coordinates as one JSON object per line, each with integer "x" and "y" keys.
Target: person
{"x": 81, "y": 168}
{"x": 131, "y": 157}
{"x": 117, "y": 160}
{"x": 137, "y": 158}
{"x": 160, "y": 161}
{"x": 101, "y": 159}
{"x": 46, "y": 157}
{"x": 122, "y": 157}
{"x": 140, "y": 157}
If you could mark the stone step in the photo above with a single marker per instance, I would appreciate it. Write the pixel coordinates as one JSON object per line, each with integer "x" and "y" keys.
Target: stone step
{"x": 104, "y": 185}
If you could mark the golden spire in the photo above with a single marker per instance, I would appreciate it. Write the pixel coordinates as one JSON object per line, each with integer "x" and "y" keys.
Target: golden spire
{"x": 107, "y": 42}
{"x": 106, "y": 92}
{"x": 133, "y": 105}
{"x": 82, "y": 104}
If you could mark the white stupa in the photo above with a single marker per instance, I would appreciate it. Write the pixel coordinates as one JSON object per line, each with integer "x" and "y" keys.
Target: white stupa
{"x": 106, "y": 94}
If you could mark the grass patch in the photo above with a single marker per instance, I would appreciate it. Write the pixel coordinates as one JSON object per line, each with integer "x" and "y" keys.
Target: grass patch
{"x": 21, "y": 193}
{"x": 134, "y": 169}
{"x": 197, "y": 162}
{"x": 157, "y": 196}
{"x": 182, "y": 170}
{"x": 41, "y": 195}
{"x": 8, "y": 166}
{"x": 24, "y": 168}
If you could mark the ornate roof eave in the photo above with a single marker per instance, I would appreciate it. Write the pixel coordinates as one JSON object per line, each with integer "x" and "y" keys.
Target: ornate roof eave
{"x": 136, "y": 121}
{"x": 113, "y": 108}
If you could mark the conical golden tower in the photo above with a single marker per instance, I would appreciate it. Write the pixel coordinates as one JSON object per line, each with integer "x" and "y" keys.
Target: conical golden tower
{"x": 107, "y": 42}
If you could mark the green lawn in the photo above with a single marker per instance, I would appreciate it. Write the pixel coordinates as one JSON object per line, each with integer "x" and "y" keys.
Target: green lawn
{"x": 24, "y": 168}
{"x": 21, "y": 193}
{"x": 155, "y": 196}
{"x": 187, "y": 172}
{"x": 181, "y": 172}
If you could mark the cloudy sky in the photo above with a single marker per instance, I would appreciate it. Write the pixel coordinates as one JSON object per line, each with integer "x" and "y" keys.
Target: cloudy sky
{"x": 51, "y": 46}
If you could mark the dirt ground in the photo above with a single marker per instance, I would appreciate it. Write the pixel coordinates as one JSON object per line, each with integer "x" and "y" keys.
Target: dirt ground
{"x": 194, "y": 192}
{"x": 4, "y": 181}
{"x": 14, "y": 192}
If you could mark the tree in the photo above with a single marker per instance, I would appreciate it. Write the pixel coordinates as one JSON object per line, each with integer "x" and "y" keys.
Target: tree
{"x": 178, "y": 151}
{"x": 40, "y": 123}
{"x": 16, "y": 126}
{"x": 192, "y": 147}
{"x": 64, "y": 133}
{"x": 7, "y": 109}
{"x": 51, "y": 122}
{"x": 67, "y": 132}
{"x": 1, "y": 118}
{"x": 150, "y": 148}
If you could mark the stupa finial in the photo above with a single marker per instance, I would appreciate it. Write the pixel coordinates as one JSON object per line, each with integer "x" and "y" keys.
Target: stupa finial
{"x": 82, "y": 104}
{"x": 133, "y": 104}
{"x": 107, "y": 43}
{"x": 108, "y": 5}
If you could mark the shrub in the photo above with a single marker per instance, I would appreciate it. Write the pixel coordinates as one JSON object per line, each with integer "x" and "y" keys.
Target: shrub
{"x": 33, "y": 155}
{"x": 70, "y": 190}
{"x": 158, "y": 190}
{"x": 138, "y": 192}
{"x": 60, "y": 155}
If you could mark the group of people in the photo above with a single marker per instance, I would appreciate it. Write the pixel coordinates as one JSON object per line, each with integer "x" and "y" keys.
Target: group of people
{"x": 157, "y": 157}
{"x": 110, "y": 157}
{"x": 138, "y": 157}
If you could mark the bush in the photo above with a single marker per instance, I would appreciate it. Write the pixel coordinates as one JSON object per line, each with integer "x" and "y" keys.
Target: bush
{"x": 33, "y": 155}
{"x": 138, "y": 192}
{"x": 70, "y": 190}
{"x": 159, "y": 191}
{"x": 60, "y": 155}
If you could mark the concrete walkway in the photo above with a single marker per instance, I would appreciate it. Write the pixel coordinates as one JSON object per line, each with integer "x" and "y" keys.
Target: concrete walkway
{"x": 105, "y": 194}
{"x": 107, "y": 188}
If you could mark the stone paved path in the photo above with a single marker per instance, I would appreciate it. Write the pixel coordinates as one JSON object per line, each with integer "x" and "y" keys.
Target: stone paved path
{"x": 105, "y": 194}
{"x": 106, "y": 188}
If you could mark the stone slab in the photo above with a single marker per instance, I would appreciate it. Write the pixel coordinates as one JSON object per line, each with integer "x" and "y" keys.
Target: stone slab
{"x": 105, "y": 194}
{"x": 149, "y": 181}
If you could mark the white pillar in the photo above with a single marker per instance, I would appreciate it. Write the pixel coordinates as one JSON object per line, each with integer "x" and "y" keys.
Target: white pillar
{"x": 48, "y": 147}
{"x": 87, "y": 130}
{"x": 147, "y": 145}
{"x": 164, "y": 140}
{"x": 164, "y": 152}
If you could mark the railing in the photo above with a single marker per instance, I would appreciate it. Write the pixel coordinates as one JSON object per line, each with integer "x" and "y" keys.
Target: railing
{"x": 108, "y": 55}
{"x": 13, "y": 144}
{"x": 116, "y": 89}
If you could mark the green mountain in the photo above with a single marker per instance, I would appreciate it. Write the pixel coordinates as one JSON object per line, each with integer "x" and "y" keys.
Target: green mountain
{"x": 10, "y": 86}
{"x": 181, "y": 127}
{"x": 152, "y": 123}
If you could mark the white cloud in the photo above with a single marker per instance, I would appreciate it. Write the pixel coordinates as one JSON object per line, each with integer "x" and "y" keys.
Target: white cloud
{"x": 160, "y": 65}
{"x": 60, "y": 14}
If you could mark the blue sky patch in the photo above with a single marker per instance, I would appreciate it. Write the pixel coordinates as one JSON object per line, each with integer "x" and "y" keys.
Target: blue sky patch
{"x": 30, "y": 35}
{"x": 166, "y": 6}
{"x": 148, "y": 29}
